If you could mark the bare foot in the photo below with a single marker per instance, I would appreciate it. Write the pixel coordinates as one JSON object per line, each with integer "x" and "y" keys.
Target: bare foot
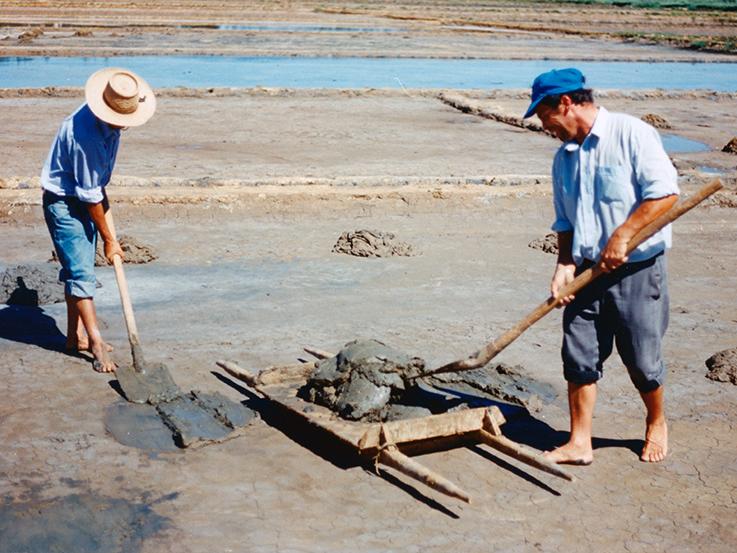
{"x": 102, "y": 363}
{"x": 571, "y": 454}
{"x": 656, "y": 443}
{"x": 83, "y": 344}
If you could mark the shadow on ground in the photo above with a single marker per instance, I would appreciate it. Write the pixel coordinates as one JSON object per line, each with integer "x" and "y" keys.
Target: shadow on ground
{"x": 30, "y": 325}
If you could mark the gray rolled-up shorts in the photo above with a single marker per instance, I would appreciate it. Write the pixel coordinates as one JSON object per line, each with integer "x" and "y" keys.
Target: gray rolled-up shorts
{"x": 628, "y": 306}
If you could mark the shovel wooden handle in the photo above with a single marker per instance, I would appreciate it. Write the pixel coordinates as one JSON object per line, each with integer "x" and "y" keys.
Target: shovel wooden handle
{"x": 125, "y": 300}
{"x": 488, "y": 352}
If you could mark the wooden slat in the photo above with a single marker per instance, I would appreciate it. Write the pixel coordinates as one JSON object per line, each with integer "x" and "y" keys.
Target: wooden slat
{"x": 434, "y": 426}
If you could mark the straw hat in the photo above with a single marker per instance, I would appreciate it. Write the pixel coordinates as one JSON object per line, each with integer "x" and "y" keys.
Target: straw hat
{"x": 120, "y": 97}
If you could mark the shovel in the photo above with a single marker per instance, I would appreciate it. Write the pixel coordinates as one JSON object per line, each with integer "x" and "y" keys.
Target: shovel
{"x": 143, "y": 382}
{"x": 488, "y": 352}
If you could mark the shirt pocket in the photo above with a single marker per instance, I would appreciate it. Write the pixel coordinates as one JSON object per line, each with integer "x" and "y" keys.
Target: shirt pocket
{"x": 612, "y": 183}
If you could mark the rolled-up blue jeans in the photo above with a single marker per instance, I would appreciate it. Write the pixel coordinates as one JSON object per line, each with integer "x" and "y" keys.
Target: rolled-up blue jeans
{"x": 75, "y": 237}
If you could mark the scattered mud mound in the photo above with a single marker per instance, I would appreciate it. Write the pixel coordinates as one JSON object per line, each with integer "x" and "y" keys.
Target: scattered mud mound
{"x": 83, "y": 523}
{"x": 135, "y": 252}
{"x": 361, "y": 380}
{"x": 548, "y": 244}
{"x": 502, "y": 382}
{"x": 31, "y": 285}
{"x": 731, "y": 146}
{"x": 29, "y": 36}
{"x": 723, "y": 366}
{"x": 372, "y": 243}
{"x": 656, "y": 121}
{"x": 723, "y": 199}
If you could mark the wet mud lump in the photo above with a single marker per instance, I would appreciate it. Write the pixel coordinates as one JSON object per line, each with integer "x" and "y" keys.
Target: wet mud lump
{"x": 372, "y": 243}
{"x": 361, "y": 381}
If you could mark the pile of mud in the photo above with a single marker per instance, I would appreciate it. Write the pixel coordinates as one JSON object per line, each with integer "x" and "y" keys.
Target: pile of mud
{"x": 371, "y": 382}
{"x": 361, "y": 381}
{"x": 731, "y": 146}
{"x": 548, "y": 244}
{"x": 372, "y": 243}
{"x": 135, "y": 252}
{"x": 723, "y": 366}
{"x": 656, "y": 121}
{"x": 31, "y": 285}
{"x": 501, "y": 382}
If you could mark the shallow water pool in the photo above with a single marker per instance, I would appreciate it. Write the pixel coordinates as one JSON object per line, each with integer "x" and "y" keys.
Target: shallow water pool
{"x": 303, "y": 72}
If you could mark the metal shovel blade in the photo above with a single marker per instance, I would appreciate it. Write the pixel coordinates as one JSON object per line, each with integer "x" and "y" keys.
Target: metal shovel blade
{"x": 146, "y": 383}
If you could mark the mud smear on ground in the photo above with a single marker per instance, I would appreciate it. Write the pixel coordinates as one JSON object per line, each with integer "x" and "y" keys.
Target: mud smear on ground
{"x": 372, "y": 243}
{"x": 656, "y": 121}
{"x": 723, "y": 366}
{"x": 189, "y": 420}
{"x": 79, "y": 523}
{"x": 548, "y": 243}
{"x": 372, "y": 382}
{"x": 31, "y": 285}
{"x": 139, "y": 426}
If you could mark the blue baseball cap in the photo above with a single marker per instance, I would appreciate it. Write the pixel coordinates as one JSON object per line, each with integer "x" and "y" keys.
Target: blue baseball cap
{"x": 556, "y": 81}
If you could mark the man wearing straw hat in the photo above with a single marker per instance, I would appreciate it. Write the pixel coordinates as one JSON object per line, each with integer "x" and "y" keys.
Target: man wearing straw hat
{"x": 611, "y": 177}
{"x": 77, "y": 169}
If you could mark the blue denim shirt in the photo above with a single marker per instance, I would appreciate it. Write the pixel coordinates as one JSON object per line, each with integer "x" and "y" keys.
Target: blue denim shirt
{"x": 599, "y": 183}
{"x": 82, "y": 157}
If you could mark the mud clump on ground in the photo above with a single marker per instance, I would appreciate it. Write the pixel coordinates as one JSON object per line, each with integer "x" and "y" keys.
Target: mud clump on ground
{"x": 723, "y": 199}
{"x": 135, "y": 252}
{"x": 372, "y": 243}
{"x": 548, "y": 244}
{"x": 82, "y": 523}
{"x": 656, "y": 121}
{"x": 31, "y": 285}
{"x": 361, "y": 381}
{"x": 731, "y": 146}
{"x": 203, "y": 418}
{"x": 28, "y": 36}
{"x": 502, "y": 382}
{"x": 723, "y": 366}
{"x": 192, "y": 419}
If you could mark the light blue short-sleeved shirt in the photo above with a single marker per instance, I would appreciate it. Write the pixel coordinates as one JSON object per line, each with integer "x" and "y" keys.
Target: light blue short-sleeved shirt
{"x": 82, "y": 157}
{"x": 599, "y": 183}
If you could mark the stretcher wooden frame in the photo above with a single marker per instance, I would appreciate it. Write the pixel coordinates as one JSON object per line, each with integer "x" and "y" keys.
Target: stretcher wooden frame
{"x": 391, "y": 443}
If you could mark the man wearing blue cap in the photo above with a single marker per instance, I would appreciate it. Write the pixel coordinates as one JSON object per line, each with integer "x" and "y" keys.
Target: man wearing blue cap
{"x": 611, "y": 177}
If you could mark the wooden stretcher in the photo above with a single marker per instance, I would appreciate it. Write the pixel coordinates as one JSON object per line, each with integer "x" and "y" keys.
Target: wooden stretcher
{"x": 391, "y": 443}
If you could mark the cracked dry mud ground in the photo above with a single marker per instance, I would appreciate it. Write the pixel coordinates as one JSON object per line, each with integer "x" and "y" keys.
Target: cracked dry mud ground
{"x": 253, "y": 279}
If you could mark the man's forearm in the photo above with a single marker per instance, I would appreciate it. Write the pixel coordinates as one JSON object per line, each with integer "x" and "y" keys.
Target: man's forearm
{"x": 646, "y": 212}
{"x": 97, "y": 213}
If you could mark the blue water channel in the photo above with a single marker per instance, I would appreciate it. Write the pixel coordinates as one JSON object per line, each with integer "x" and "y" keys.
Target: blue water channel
{"x": 303, "y": 72}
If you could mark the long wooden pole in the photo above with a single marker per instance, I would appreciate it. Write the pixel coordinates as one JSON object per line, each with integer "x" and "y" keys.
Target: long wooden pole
{"x": 488, "y": 352}
{"x": 392, "y": 457}
{"x": 125, "y": 300}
